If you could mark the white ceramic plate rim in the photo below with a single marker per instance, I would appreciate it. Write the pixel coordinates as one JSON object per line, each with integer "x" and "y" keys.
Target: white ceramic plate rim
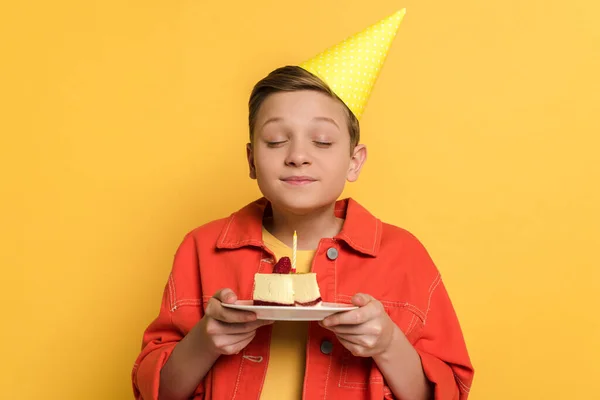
{"x": 295, "y": 313}
{"x": 324, "y": 306}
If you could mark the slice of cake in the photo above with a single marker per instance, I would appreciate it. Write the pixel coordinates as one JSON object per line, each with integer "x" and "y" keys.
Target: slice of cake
{"x": 286, "y": 288}
{"x": 306, "y": 289}
{"x": 273, "y": 290}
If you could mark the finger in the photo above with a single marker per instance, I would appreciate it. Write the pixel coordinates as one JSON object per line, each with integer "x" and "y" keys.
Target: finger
{"x": 350, "y": 338}
{"x": 362, "y": 340}
{"x": 350, "y": 329}
{"x": 353, "y": 317}
{"x": 246, "y": 327}
{"x": 361, "y": 299}
{"x": 226, "y": 296}
{"x": 226, "y": 343}
{"x": 215, "y": 310}
{"x": 354, "y": 348}
{"x": 239, "y": 346}
{"x": 229, "y": 340}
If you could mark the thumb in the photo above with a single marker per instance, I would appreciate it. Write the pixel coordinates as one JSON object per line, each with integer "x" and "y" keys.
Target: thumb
{"x": 226, "y": 296}
{"x": 361, "y": 299}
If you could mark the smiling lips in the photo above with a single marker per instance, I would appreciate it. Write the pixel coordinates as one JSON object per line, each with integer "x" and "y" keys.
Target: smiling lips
{"x": 298, "y": 180}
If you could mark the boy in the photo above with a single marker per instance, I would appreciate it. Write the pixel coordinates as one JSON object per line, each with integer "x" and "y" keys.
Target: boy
{"x": 402, "y": 342}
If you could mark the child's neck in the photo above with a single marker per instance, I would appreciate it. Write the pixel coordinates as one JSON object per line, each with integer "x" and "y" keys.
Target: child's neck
{"x": 310, "y": 227}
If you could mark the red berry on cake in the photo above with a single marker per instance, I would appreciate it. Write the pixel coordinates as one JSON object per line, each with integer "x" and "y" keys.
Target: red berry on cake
{"x": 283, "y": 266}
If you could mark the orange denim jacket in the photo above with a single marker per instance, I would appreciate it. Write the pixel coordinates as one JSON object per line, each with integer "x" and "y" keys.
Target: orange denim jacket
{"x": 372, "y": 257}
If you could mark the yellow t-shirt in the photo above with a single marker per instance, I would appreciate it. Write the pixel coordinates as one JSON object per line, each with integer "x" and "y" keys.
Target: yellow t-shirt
{"x": 285, "y": 372}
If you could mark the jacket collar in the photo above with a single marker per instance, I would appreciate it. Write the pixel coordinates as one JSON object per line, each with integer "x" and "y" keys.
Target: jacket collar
{"x": 361, "y": 230}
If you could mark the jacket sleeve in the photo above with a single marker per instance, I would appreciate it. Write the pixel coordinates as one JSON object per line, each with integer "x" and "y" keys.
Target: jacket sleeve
{"x": 442, "y": 348}
{"x": 180, "y": 309}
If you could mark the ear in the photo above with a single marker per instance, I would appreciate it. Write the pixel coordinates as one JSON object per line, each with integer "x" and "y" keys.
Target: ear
{"x": 250, "y": 157}
{"x": 359, "y": 157}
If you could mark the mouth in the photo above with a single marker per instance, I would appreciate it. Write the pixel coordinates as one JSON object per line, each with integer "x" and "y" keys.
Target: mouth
{"x": 298, "y": 180}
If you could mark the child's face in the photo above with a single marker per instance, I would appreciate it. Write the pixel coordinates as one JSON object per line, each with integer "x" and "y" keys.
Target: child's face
{"x": 301, "y": 154}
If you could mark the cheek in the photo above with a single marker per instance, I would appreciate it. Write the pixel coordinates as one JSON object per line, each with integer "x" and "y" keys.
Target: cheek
{"x": 265, "y": 166}
{"x": 337, "y": 167}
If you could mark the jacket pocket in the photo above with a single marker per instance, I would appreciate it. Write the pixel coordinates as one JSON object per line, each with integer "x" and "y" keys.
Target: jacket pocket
{"x": 358, "y": 372}
{"x": 362, "y": 372}
{"x": 407, "y": 317}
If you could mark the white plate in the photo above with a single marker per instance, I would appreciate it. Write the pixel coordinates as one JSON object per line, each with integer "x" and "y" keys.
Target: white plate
{"x": 297, "y": 313}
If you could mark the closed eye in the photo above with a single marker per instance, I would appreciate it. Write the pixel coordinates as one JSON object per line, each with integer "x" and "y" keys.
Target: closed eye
{"x": 276, "y": 144}
{"x": 323, "y": 144}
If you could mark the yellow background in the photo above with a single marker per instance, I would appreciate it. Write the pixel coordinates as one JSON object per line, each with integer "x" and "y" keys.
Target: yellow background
{"x": 123, "y": 126}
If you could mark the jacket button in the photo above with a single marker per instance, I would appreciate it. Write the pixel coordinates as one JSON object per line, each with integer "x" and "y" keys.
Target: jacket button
{"x": 326, "y": 347}
{"x": 332, "y": 253}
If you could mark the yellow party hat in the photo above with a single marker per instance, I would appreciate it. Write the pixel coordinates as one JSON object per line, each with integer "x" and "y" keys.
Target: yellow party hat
{"x": 351, "y": 67}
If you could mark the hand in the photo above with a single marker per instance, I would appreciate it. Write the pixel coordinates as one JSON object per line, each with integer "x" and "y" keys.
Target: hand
{"x": 366, "y": 331}
{"x": 225, "y": 330}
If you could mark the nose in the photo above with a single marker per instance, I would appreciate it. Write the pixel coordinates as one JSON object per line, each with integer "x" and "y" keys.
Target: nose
{"x": 297, "y": 155}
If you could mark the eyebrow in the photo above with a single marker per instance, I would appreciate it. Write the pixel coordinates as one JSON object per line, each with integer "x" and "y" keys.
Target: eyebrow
{"x": 274, "y": 119}
{"x": 327, "y": 119}
{"x": 323, "y": 119}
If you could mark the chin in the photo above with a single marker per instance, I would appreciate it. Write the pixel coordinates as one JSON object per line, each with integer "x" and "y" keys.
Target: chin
{"x": 301, "y": 204}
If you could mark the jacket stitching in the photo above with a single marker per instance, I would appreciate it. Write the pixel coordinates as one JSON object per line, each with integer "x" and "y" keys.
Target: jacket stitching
{"x": 359, "y": 247}
{"x": 411, "y": 325}
{"x": 174, "y": 289}
{"x": 260, "y": 268}
{"x": 434, "y": 280}
{"x": 376, "y": 232}
{"x": 462, "y": 385}
{"x": 343, "y": 382}
{"x": 345, "y": 368}
{"x": 358, "y": 384}
{"x": 186, "y": 302}
{"x": 241, "y": 243}
{"x": 171, "y": 285}
{"x": 265, "y": 366}
{"x": 335, "y": 279}
{"x": 227, "y": 229}
{"x": 260, "y": 263}
{"x": 237, "y": 381}
{"x": 437, "y": 281}
{"x": 327, "y": 378}
{"x": 307, "y": 362}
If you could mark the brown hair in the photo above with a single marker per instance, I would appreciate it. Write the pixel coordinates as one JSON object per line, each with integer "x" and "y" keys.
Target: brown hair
{"x": 290, "y": 79}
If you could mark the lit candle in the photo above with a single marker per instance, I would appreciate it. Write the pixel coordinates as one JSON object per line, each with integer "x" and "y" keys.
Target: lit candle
{"x": 294, "y": 249}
